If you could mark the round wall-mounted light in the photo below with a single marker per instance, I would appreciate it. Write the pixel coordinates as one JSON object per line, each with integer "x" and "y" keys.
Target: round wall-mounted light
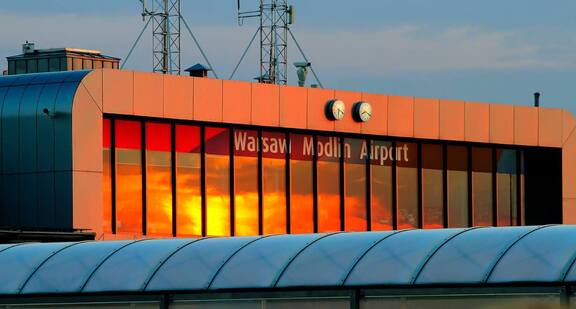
{"x": 335, "y": 110}
{"x": 362, "y": 111}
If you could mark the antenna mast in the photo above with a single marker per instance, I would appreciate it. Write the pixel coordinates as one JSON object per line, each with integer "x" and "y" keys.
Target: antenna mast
{"x": 275, "y": 16}
{"x": 165, "y": 16}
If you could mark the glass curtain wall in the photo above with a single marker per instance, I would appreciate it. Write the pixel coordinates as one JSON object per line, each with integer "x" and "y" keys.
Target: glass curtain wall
{"x": 506, "y": 187}
{"x": 355, "y": 153}
{"x": 107, "y": 175}
{"x": 457, "y": 157}
{"x": 406, "y": 157}
{"x": 328, "y": 152}
{"x": 333, "y": 183}
{"x": 188, "y": 173}
{"x": 432, "y": 186}
{"x": 482, "y": 186}
{"x": 246, "y": 182}
{"x": 158, "y": 179}
{"x": 301, "y": 184}
{"x": 217, "y": 158}
{"x": 128, "y": 137}
{"x": 381, "y": 185}
{"x": 274, "y": 148}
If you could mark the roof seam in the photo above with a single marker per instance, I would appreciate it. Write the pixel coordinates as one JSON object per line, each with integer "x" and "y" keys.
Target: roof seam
{"x": 420, "y": 267}
{"x": 229, "y": 258}
{"x": 281, "y": 273}
{"x": 361, "y": 256}
{"x": 152, "y": 274}
{"x": 505, "y": 251}
{"x": 21, "y": 288}
{"x": 104, "y": 261}
{"x": 566, "y": 271}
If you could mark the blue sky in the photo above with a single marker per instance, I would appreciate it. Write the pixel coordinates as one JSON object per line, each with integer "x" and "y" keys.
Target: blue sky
{"x": 495, "y": 51}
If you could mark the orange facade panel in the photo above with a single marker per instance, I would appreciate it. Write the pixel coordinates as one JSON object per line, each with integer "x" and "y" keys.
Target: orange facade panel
{"x": 208, "y": 99}
{"x": 569, "y": 211}
{"x": 149, "y": 94}
{"x": 93, "y": 83}
{"x": 525, "y": 125}
{"x": 501, "y": 124}
{"x": 178, "y": 97}
{"x": 401, "y": 116}
{"x": 317, "y": 99}
{"x": 378, "y": 124}
{"x": 86, "y": 133}
{"x": 118, "y": 91}
{"x": 265, "y": 104}
{"x": 348, "y": 124}
{"x": 550, "y": 127}
{"x": 452, "y": 120}
{"x": 477, "y": 126}
{"x": 426, "y": 118}
{"x": 568, "y": 125}
{"x": 293, "y": 107}
{"x": 87, "y": 201}
{"x": 236, "y": 102}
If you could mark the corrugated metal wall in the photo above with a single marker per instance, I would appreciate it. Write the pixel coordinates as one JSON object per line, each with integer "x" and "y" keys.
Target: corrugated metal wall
{"x": 36, "y": 150}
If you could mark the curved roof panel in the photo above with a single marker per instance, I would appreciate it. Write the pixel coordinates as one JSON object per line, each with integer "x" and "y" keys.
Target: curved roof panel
{"x": 67, "y": 271}
{"x": 328, "y": 261}
{"x": 469, "y": 257}
{"x": 547, "y": 253}
{"x": 414, "y": 257}
{"x": 397, "y": 259}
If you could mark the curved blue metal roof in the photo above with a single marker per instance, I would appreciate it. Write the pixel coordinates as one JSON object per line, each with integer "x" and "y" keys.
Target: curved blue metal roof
{"x": 475, "y": 256}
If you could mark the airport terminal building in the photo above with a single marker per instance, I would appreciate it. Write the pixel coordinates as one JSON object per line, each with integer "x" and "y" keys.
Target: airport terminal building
{"x": 256, "y": 186}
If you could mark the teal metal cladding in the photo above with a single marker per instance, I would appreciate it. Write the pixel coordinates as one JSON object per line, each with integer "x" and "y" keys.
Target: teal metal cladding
{"x": 36, "y": 150}
{"x": 471, "y": 257}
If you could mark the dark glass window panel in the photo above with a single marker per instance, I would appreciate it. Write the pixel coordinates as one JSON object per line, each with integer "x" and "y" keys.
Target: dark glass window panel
{"x": 54, "y": 64}
{"x": 457, "y": 157}
{"x": 32, "y": 66}
{"x": 188, "y": 196}
{"x": 107, "y": 177}
{"x": 355, "y": 155}
{"x": 274, "y": 150}
{"x": 381, "y": 182}
{"x": 482, "y": 186}
{"x": 432, "y": 186}
{"x": 328, "y": 150}
{"x": 217, "y": 141}
{"x": 20, "y": 66}
{"x": 246, "y": 182}
{"x": 128, "y": 176}
{"x": 63, "y": 64}
{"x": 42, "y": 65}
{"x": 11, "y": 67}
{"x": 506, "y": 183}
{"x": 301, "y": 184}
{"x": 406, "y": 156}
{"x": 158, "y": 179}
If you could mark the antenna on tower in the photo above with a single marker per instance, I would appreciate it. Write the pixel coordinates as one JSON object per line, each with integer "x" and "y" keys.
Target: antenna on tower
{"x": 166, "y": 19}
{"x": 275, "y": 17}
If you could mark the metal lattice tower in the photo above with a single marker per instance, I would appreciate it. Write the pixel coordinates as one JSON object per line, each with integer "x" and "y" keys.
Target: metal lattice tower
{"x": 275, "y": 16}
{"x": 274, "y": 19}
{"x": 166, "y": 18}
